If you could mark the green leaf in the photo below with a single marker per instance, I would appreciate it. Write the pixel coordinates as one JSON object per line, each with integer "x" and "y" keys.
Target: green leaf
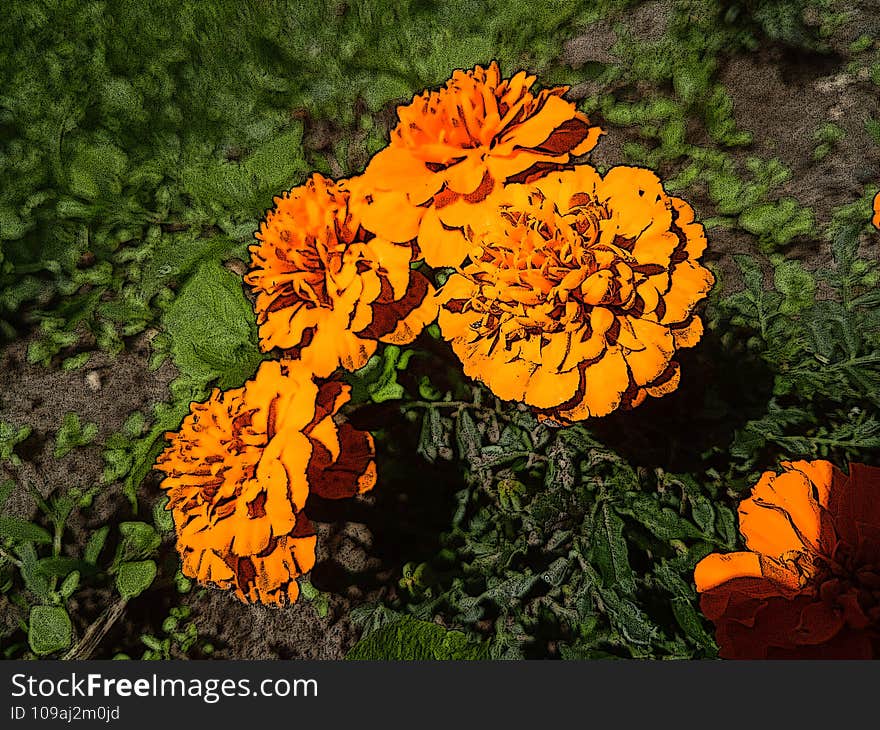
{"x": 95, "y": 544}
{"x": 61, "y": 565}
{"x": 96, "y": 171}
{"x": 609, "y": 551}
{"x": 139, "y": 540}
{"x": 212, "y": 329}
{"x": 10, "y": 437}
{"x": 776, "y": 224}
{"x": 73, "y": 434}
{"x": 70, "y": 584}
{"x": 133, "y": 578}
{"x": 703, "y": 512}
{"x": 18, "y": 530}
{"x": 49, "y": 629}
{"x": 34, "y": 579}
{"x": 662, "y": 521}
{"x": 689, "y": 620}
{"x": 797, "y": 285}
{"x": 5, "y": 490}
{"x": 411, "y": 639}
{"x": 162, "y": 517}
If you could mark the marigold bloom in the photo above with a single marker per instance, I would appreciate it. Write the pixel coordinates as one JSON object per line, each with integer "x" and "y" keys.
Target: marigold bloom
{"x": 876, "y": 219}
{"x": 809, "y": 584}
{"x": 578, "y": 291}
{"x": 327, "y": 290}
{"x": 454, "y": 146}
{"x": 239, "y": 472}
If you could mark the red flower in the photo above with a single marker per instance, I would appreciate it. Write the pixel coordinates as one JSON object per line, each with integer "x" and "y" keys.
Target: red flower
{"x": 810, "y": 586}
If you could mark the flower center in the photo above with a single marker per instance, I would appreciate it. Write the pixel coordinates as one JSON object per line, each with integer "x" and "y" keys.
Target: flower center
{"x": 543, "y": 270}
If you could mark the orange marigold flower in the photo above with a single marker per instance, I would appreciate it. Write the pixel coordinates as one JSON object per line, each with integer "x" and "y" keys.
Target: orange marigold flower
{"x": 454, "y": 146}
{"x": 809, "y": 584}
{"x": 328, "y": 290}
{"x": 876, "y": 219}
{"x": 578, "y": 291}
{"x": 239, "y": 471}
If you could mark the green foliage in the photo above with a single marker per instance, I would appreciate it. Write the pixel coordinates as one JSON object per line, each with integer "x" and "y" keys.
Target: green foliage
{"x": 776, "y": 224}
{"x": 177, "y": 638}
{"x": 213, "y": 336}
{"x": 408, "y": 638}
{"x": 10, "y": 437}
{"x": 134, "y": 577}
{"x": 73, "y": 434}
{"x": 42, "y": 575}
{"x": 825, "y": 353}
{"x": 49, "y": 629}
{"x": 779, "y": 20}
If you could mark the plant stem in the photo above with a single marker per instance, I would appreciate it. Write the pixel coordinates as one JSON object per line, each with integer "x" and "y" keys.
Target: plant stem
{"x": 11, "y": 558}
{"x": 97, "y": 631}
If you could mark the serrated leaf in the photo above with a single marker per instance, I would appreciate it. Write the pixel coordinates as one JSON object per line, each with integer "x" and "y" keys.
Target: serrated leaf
{"x": 609, "y": 551}
{"x": 689, "y": 620}
{"x": 662, "y": 521}
{"x": 467, "y": 436}
{"x": 703, "y": 512}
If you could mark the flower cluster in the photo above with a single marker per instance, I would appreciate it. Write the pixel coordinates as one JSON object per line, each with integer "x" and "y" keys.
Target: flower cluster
{"x": 809, "y": 584}
{"x": 562, "y": 288}
{"x": 570, "y": 291}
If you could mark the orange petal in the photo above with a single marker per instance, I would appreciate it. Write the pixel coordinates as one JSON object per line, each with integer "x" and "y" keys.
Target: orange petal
{"x": 396, "y": 169}
{"x": 689, "y": 335}
{"x": 715, "y": 569}
{"x": 819, "y": 472}
{"x": 604, "y": 384}
{"x": 690, "y": 283}
{"x": 441, "y": 246}
{"x": 780, "y": 516}
{"x": 548, "y": 389}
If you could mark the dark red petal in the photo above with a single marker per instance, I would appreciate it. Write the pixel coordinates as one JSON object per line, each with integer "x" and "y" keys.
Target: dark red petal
{"x": 387, "y": 315}
{"x": 340, "y": 479}
{"x": 565, "y": 137}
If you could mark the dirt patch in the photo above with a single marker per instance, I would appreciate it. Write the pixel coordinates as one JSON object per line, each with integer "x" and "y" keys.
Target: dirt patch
{"x": 105, "y": 392}
{"x": 784, "y": 98}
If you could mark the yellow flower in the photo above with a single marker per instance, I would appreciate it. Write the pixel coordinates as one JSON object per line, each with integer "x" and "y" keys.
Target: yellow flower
{"x": 453, "y": 147}
{"x": 327, "y": 290}
{"x": 578, "y": 291}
